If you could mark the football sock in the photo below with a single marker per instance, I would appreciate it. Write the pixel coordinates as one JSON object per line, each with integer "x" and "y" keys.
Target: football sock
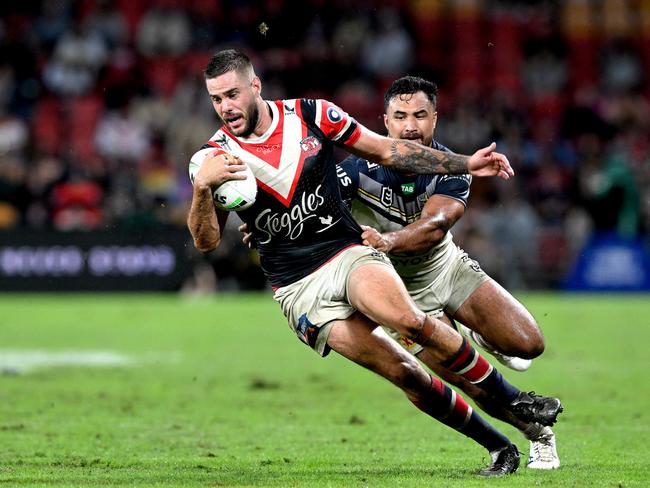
{"x": 469, "y": 364}
{"x": 445, "y": 405}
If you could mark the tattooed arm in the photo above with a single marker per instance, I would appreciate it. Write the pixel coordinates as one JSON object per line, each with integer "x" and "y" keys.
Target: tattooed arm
{"x": 411, "y": 157}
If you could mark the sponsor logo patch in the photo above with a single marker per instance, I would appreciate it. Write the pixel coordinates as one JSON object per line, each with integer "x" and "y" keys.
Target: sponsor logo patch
{"x": 267, "y": 148}
{"x": 406, "y": 342}
{"x": 223, "y": 141}
{"x": 386, "y": 196}
{"x": 372, "y": 166}
{"x": 473, "y": 265}
{"x": 310, "y": 145}
{"x": 290, "y": 224}
{"x": 379, "y": 255}
{"x": 334, "y": 115}
{"x": 307, "y": 332}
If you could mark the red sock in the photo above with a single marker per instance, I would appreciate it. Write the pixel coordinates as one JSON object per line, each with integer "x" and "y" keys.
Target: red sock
{"x": 469, "y": 364}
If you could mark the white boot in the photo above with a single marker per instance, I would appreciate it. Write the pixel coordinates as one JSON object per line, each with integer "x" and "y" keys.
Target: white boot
{"x": 543, "y": 451}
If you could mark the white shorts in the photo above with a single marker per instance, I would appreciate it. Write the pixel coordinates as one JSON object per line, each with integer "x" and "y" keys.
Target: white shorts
{"x": 312, "y": 304}
{"x": 446, "y": 291}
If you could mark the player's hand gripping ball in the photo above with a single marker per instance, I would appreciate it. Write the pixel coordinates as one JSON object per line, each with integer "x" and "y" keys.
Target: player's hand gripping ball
{"x": 233, "y": 195}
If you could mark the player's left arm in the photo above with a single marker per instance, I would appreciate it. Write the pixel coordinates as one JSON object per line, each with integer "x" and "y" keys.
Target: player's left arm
{"x": 439, "y": 215}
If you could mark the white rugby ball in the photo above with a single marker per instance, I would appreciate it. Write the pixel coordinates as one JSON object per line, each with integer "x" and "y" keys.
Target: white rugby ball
{"x": 233, "y": 195}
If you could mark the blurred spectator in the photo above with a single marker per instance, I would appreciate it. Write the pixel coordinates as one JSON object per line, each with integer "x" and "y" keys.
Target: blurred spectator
{"x": 14, "y": 197}
{"x": 77, "y": 205}
{"x": 54, "y": 20}
{"x": 108, "y": 22}
{"x": 466, "y": 129}
{"x": 120, "y": 137}
{"x": 45, "y": 173}
{"x": 544, "y": 72}
{"x": 75, "y": 63}
{"x": 621, "y": 68}
{"x": 388, "y": 51}
{"x": 14, "y": 134}
{"x": 607, "y": 188}
{"x": 349, "y": 36}
{"x": 164, "y": 32}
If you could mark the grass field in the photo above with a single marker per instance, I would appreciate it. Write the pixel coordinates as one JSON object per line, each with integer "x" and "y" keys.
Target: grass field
{"x": 218, "y": 392}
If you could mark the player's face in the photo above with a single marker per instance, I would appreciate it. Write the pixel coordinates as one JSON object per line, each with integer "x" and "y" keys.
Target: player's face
{"x": 411, "y": 116}
{"x": 234, "y": 98}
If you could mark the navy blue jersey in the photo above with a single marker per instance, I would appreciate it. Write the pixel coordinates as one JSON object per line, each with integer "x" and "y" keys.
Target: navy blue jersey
{"x": 394, "y": 196}
{"x": 298, "y": 220}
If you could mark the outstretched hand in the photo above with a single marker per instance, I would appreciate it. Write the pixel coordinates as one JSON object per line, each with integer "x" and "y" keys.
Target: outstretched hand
{"x": 488, "y": 162}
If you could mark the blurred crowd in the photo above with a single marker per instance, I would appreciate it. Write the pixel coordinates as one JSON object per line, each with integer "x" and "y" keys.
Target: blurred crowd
{"x": 102, "y": 103}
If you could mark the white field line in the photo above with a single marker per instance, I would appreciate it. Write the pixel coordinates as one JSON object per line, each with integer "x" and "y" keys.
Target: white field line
{"x": 23, "y": 360}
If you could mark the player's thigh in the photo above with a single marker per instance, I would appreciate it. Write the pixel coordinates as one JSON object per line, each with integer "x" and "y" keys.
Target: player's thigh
{"x": 502, "y": 320}
{"x": 378, "y": 292}
{"x": 362, "y": 341}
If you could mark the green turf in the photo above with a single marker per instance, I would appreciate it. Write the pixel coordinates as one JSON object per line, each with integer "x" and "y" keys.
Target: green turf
{"x": 225, "y": 395}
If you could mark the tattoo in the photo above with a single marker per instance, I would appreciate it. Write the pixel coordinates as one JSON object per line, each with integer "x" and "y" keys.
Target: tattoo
{"x": 411, "y": 157}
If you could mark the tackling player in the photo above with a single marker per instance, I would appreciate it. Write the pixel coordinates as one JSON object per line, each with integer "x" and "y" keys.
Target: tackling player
{"x": 409, "y": 216}
{"x": 332, "y": 289}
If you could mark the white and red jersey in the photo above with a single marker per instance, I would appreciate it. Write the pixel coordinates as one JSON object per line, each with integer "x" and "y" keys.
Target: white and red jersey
{"x": 298, "y": 219}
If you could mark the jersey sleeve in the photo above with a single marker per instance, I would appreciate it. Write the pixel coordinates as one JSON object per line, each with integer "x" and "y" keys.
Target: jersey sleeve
{"x": 335, "y": 124}
{"x": 454, "y": 186}
{"x": 347, "y": 172}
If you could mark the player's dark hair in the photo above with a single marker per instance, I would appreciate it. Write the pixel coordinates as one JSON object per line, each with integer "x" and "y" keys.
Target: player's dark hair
{"x": 226, "y": 61}
{"x": 408, "y": 85}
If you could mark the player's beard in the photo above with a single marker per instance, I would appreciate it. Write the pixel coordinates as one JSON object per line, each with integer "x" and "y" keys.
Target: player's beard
{"x": 252, "y": 117}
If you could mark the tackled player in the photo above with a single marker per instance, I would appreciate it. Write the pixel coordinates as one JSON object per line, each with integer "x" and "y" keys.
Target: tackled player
{"x": 310, "y": 246}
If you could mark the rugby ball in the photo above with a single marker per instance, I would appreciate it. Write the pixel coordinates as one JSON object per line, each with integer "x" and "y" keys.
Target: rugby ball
{"x": 232, "y": 195}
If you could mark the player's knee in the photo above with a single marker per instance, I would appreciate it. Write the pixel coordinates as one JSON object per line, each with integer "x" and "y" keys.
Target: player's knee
{"x": 412, "y": 324}
{"x": 536, "y": 345}
{"x": 531, "y": 341}
{"x": 407, "y": 375}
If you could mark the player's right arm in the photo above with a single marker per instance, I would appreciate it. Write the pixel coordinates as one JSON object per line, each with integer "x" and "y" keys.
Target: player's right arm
{"x": 439, "y": 214}
{"x": 402, "y": 155}
{"x": 411, "y": 157}
{"x": 204, "y": 220}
